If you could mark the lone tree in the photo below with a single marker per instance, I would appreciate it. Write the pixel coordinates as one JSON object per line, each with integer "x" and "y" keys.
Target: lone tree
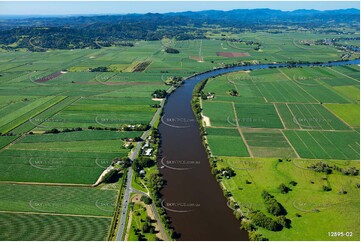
{"x": 171, "y": 51}
{"x": 147, "y": 200}
{"x": 233, "y": 92}
{"x": 283, "y": 188}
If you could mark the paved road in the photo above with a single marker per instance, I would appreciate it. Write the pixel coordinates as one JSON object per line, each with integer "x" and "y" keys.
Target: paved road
{"x": 123, "y": 216}
{"x": 128, "y": 188}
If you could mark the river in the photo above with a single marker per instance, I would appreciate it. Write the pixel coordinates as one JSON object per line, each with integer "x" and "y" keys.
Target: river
{"x": 192, "y": 197}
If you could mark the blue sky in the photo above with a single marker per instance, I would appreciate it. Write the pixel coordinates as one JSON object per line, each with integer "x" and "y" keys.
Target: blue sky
{"x": 122, "y": 7}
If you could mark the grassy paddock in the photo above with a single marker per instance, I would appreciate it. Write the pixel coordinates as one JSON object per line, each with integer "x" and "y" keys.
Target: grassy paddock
{"x": 335, "y": 212}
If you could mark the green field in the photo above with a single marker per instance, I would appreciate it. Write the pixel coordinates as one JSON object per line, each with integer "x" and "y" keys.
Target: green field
{"x": 325, "y": 145}
{"x": 257, "y": 116}
{"x": 289, "y": 112}
{"x": 268, "y": 143}
{"x": 350, "y": 113}
{"x": 52, "y": 227}
{"x": 226, "y": 142}
{"x": 81, "y": 136}
{"x": 310, "y": 116}
{"x": 319, "y": 212}
{"x": 54, "y": 166}
{"x": 221, "y": 114}
{"x": 57, "y": 199}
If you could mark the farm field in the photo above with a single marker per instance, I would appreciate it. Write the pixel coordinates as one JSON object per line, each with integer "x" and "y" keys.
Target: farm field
{"x": 350, "y": 113}
{"x": 57, "y": 199}
{"x": 289, "y": 112}
{"x": 270, "y": 143}
{"x": 54, "y": 166}
{"x": 226, "y": 142}
{"x": 42, "y": 226}
{"x": 326, "y": 145}
{"x": 308, "y": 207}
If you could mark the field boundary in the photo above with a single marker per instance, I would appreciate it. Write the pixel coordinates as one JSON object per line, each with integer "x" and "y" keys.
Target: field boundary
{"x": 240, "y": 132}
{"x": 288, "y": 141}
{"x": 279, "y": 115}
{"x": 279, "y": 69}
{"x": 344, "y": 75}
{"x": 57, "y": 214}
{"x": 47, "y": 184}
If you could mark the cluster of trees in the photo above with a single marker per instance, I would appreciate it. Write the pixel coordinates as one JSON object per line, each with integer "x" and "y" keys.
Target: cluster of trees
{"x": 233, "y": 92}
{"x": 228, "y": 172}
{"x": 141, "y": 163}
{"x": 174, "y": 80}
{"x": 321, "y": 167}
{"x": 10, "y": 134}
{"x": 328, "y": 169}
{"x": 99, "y": 69}
{"x": 112, "y": 176}
{"x": 171, "y": 50}
{"x": 102, "y": 128}
{"x": 141, "y": 66}
{"x": 352, "y": 171}
{"x": 283, "y": 188}
{"x": 155, "y": 183}
{"x": 136, "y": 127}
{"x": 261, "y": 220}
{"x": 273, "y": 207}
{"x": 145, "y": 226}
{"x": 147, "y": 200}
{"x": 57, "y": 131}
{"x": 159, "y": 93}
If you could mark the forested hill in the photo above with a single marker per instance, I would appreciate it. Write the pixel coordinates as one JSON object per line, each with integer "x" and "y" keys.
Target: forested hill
{"x": 82, "y": 31}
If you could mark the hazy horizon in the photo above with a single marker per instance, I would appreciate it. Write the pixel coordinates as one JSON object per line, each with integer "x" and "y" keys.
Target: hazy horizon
{"x": 66, "y": 8}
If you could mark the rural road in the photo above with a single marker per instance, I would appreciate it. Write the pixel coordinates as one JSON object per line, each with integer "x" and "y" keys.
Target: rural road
{"x": 129, "y": 189}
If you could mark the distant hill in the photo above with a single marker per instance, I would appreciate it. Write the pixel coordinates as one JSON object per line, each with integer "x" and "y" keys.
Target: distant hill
{"x": 81, "y": 31}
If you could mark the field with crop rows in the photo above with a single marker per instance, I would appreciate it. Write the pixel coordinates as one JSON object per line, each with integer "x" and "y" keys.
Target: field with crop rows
{"x": 226, "y": 142}
{"x": 313, "y": 111}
